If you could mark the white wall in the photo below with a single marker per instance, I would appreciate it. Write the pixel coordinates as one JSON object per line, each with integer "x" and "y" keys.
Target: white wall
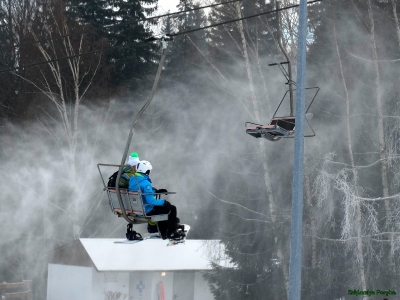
{"x": 183, "y": 285}
{"x": 69, "y": 282}
{"x": 141, "y": 286}
{"x": 85, "y": 283}
{"x": 146, "y": 285}
{"x": 201, "y": 288}
{"x": 109, "y": 283}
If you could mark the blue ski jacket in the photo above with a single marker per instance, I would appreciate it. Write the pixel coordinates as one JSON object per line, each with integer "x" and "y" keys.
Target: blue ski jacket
{"x": 149, "y": 200}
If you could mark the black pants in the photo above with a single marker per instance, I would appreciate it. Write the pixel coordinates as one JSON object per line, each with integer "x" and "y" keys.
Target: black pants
{"x": 165, "y": 226}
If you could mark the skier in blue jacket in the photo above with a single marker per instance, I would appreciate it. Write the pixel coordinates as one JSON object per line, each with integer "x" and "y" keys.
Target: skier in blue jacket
{"x": 153, "y": 206}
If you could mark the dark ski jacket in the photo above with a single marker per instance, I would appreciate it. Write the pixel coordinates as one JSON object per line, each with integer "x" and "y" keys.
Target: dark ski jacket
{"x": 149, "y": 200}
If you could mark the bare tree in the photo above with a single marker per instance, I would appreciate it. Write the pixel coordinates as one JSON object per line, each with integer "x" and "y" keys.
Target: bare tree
{"x": 357, "y": 208}
{"x": 381, "y": 133}
{"x": 267, "y": 179}
{"x": 64, "y": 81}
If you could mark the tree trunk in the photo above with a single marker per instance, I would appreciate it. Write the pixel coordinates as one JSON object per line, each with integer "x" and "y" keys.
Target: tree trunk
{"x": 11, "y": 33}
{"x": 396, "y": 21}
{"x": 248, "y": 69}
{"x": 312, "y": 223}
{"x": 358, "y": 223}
{"x": 267, "y": 180}
{"x": 381, "y": 138}
{"x": 313, "y": 232}
{"x": 65, "y": 88}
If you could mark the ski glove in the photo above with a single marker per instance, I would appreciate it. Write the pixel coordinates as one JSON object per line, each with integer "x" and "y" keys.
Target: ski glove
{"x": 161, "y": 191}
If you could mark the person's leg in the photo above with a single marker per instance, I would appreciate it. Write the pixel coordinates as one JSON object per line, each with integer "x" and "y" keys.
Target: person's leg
{"x": 172, "y": 222}
{"x": 174, "y": 231}
{"x": 162, "y": 225}
{"x": 152, "y": 227}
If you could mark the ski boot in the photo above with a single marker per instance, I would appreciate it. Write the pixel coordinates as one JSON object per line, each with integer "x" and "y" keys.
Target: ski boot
{"x": 177, "y": 235}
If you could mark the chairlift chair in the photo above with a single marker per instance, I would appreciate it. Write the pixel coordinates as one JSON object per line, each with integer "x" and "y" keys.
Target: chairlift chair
{"x": 276, "y": 129}
{"x": 132, "y": 203}
{"x": 280, "y": 127}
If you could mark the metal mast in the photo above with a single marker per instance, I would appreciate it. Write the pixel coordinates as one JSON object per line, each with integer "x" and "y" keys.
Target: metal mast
{"x": 298, "y": 168}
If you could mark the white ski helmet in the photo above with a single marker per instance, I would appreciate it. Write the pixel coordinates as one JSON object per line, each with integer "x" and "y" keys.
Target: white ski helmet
{"x": 144, "y": 167}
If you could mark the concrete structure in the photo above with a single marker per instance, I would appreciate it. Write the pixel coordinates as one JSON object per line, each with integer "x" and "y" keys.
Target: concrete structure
{"x": 95, "y": 269}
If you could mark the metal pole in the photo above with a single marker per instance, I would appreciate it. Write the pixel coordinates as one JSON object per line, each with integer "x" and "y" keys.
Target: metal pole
{"x": 298, "y": 168}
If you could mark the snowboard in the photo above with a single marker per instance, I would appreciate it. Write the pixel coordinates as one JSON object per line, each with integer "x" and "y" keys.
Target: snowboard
{"x": 181, "y": 241}
{"x": 151, "y": 236}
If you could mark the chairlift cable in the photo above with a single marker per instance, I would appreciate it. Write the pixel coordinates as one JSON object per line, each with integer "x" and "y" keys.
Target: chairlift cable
{"x": 128, "y": 143}
{"x": 191, "y": 9}
{"x": 240, "y": 19}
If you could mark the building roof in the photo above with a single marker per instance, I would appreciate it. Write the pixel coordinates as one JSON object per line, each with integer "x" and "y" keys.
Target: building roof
{"x": 151, "y": 255}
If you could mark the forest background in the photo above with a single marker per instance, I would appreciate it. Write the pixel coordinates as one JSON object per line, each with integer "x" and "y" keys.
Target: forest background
{"x": 60, "y": 118}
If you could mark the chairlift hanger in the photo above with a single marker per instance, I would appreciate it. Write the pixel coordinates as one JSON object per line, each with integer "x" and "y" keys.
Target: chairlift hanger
{"x": 284, "y": 71}
{"x": 280, "y": 127}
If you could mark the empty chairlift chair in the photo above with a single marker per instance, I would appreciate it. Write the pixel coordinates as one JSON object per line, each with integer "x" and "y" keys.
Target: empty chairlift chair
{"x": 274, "y": 131}
{"x": 281, "y": 127}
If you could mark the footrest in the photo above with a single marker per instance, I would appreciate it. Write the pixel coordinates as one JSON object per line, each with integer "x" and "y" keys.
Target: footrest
{"x": 156, "y": 218}
{"x": 277, "y": 131}
{"x": 118, "y": 211}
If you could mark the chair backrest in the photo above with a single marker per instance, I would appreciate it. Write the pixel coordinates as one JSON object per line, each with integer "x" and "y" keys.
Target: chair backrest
{"x": 132, "y": 200}
{"x": 286, "y": 123}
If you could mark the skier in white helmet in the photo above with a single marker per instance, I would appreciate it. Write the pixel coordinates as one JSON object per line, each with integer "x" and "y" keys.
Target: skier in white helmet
{"x": 153, "y": 206}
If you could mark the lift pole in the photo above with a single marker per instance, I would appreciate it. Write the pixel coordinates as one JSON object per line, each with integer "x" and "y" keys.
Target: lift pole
{"x": 298, "y": 167}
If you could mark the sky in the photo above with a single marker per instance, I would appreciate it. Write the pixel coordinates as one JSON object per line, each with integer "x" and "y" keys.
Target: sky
{"x": 165, "y": 5}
